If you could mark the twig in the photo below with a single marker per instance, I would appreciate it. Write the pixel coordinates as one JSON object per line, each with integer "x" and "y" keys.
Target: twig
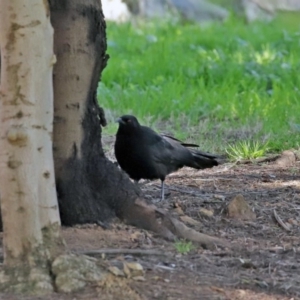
{"x": 164, "y": 268}
{"x": 123, "y": 251}
{"x": 280, "y": 222}
{"x": 242, "y": 192}
{"x": 215, "y": 186}
{"x": 185, "y": 192}
{"x": 259, "y": 160}
{"x": 226, "y": 168}
{"x": 205, "y": 194}
{"x": 213, "y": 179}
{"x": 205, "y": 197}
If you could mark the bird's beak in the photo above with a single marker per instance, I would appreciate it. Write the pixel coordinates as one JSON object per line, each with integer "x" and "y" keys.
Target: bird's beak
{"x": 120, "y": 121}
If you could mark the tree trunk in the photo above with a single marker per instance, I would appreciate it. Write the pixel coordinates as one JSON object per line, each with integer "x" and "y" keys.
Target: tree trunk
{"x": 28, "y": 196}
{"x": 90, "y": 187}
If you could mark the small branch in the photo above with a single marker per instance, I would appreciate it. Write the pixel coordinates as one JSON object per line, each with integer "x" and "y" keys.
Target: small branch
{"x": 280, "y": 222}
{"x": 173, "y": 188}
{"x": 122, "y": 251}
{"x": 205, "y": 195}
{"x": 213, "y": 179}
{"x": 258, "y": 160}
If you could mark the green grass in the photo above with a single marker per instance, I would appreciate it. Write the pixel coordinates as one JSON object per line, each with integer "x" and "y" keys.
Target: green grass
{"x": 184, "y": 247}
{"x": 213, "y": 85}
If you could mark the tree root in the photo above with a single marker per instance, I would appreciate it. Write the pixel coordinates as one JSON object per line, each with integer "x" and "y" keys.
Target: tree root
{"x": 149, "y": 217}
{"x": 141, "y": 215}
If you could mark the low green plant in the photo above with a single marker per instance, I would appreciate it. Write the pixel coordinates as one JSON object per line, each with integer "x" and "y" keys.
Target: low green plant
{"x": 246, "y": 150}
{"x": 183, "y": 247}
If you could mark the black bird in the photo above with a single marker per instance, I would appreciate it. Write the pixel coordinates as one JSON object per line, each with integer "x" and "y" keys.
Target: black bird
{"x": 142, "y": 153}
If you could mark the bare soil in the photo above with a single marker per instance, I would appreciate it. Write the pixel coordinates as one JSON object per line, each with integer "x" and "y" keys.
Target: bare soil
{"x": 262, "y": 263}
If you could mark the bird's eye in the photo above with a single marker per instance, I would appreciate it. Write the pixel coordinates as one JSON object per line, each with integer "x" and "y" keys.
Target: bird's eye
{"x": 128, "y": 120}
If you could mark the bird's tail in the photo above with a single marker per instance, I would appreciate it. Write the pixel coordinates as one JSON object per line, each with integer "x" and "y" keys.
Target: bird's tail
{"x": 203, "y": 160}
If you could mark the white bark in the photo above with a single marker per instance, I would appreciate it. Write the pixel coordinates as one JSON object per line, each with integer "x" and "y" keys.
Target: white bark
{"x": 73, "y": 50}
{"x": 27, "y": 184}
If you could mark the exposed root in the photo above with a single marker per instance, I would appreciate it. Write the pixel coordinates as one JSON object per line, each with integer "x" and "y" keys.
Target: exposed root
{"x": 280, "y": 222}
{"x": 151, "y": 218}
{"x": 182, "y": 231}
{"x": 260, "y": 160}
{"x": 143, "y": 216}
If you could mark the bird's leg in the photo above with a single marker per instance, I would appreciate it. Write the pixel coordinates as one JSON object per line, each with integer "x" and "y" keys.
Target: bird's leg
{"x": 162, "y": 190}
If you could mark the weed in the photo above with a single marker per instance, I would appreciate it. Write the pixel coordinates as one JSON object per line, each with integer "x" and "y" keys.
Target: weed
{"x": 246, "y": 150}
{"x": 184, "y": 247}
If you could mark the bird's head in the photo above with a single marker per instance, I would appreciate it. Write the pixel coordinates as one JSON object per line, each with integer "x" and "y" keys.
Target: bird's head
{"x": 128, "y": 123}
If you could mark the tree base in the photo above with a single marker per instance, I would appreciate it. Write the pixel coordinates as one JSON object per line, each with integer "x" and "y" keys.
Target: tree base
{"x": 26, "y": 280}
{"x": 68, "y": 273}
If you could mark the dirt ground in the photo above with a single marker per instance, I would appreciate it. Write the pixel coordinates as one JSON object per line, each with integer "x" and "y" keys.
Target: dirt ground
{"x": 262, "y": 263}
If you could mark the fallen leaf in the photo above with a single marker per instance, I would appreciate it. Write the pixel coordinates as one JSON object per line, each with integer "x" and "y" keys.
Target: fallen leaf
{"x": 217, "y": 289}
{"x": 221, "y": 197}
{"x": 293, "y": 222}
{"x": 126, "y": 269}
{"x": 178, "y": 209}
{"x": 135, "y": 236}
{"x": 206, "y": 212}
{"x": 133, "y": 269}
{"x": 189, "y": 220}
{"x": 139, "y": 278}
{"x": 116, "y": 271}
{"x": 134, "y": 266}
{"x": 242, "y": 293}
{"x": 156, "y": 278}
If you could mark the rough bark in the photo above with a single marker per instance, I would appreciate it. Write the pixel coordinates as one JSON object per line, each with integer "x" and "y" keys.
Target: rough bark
{"x": 29, "y": 205}
{"x": 91, "y": 188}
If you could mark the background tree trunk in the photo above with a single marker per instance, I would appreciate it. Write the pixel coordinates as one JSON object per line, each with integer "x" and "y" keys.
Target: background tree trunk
{"x": 28, "y": 196}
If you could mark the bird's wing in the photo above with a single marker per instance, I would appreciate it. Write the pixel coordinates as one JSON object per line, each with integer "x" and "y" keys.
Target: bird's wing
{"x": 163, "y": 151}
{"x": 204, "y": 154}
{"x": 191, "y": 157}
{"x": 173, "y": 140}
{"x": 170, "y": 138}
{"x": 166, "y": 155}
{"x": 170, "y": 152}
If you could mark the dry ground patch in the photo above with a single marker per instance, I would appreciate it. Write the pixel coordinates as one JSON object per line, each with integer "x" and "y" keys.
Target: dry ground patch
{"x": 263, "y": 262}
